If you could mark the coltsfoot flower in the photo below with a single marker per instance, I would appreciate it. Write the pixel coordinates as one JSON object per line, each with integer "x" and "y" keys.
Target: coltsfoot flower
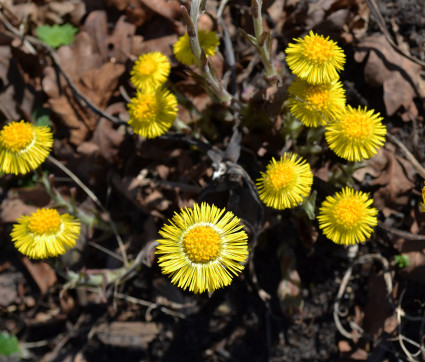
{"x": 315, "y": 58}
{"x": 150, "y": 70}
{"x": 23, "y": 147}
{"x": 347, "y": 217}
{"x": 152, "y": 112}
{"x": 357, "y": 134}
{"x": 286, "y": 182}
{"x": 202, "y": 247}
{"x": 315, "y": 105}
{"x": 45, "y": 233}
{"x": 208, "y": 41}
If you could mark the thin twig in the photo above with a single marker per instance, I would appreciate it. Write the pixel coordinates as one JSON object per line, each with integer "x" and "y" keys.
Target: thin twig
{"x": 69, "y": 335}
{"x": 93, "y": 107}
{"x": 401, "y": 340}
{"x": 151, "y": 305}
{"x": 139, "y": 301}
{"x": 344, "y": 283}
{"x": 415, "y": 163}
{"x": 15, "y": 31}
{"x": 96, "y": 201}
{"x": 29, "y": 41}
{"x": 106, "y": 251}
{"x": 381, "y": 23}
{"x": 403, "y": 234}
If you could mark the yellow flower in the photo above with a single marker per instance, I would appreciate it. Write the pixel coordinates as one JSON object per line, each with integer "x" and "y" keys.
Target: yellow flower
{"x": 315, "y": 58}
{"x": 207, "y": 40}
{"x": 347, "y": 217}
{"x": 45, "y": 233}
{"x": 357, "y": 134}
{"x": 23, "y": 147}
{"x": 315, "y": 105}
{"x": 286, "y": 182}
{"x": 202, "y": 248}
{"x": 150, "y": 70}
{"x": 152, "y": 112}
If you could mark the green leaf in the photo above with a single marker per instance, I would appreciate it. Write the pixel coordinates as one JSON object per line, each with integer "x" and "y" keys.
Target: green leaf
{"x": 56, "y": 35}
{"x": 8, "y": 344}
{"x": 41, "y": 116}
{"x": 402, "y": 260}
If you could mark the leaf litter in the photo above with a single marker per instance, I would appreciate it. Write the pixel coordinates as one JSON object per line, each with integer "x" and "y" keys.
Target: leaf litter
{"x": 142, "y": 183}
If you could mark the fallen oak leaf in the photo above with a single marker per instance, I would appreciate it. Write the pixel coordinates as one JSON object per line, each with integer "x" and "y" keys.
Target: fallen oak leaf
{"x": 393, "y": 174}
{"x": 170, "y": 10}
{"x": 396, "y": 74}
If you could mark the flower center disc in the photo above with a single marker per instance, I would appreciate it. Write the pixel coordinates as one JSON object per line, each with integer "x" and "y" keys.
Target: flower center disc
{"x": 16, "y": 136}
{"x": 282, "y": 176}
{"x": 147, "y": 67}
{"x": 318, "y": 97}
{"x": 348, "y": 212}
{"x": 202, "y": 244}
{"x": 318, "y": 50}
{"x": 44, "y": 221}
{"x": 357, "y": 127}
{"x": 146, "y": 108}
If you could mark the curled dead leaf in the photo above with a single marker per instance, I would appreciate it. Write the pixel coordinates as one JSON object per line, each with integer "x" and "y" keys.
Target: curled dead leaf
{"x": 393, "y": 174}
{"x": 395, "y": 73}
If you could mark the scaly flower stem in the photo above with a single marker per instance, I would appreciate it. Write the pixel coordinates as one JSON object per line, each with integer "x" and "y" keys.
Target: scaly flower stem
{"x": 263, "y": 43}
{"x": 196, "y": 9}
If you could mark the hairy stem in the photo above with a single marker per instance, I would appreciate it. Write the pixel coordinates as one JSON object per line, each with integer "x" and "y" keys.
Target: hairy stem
{"x": 196, "y": 10}
{"x": 263, "y": 42}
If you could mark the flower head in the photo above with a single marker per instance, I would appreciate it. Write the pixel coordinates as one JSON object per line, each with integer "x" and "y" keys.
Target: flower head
{"x": 202, "y": 247}
{"x": 285, "y": 182}
{"x": 315, "y": 58}
{"x": 347, "y": 217}
{"x": 357, "y": 134}
{"x": 208, "y": 41}
{"x": 152, "y": 112}
{"x": 23, "y": 147}
{"x": 315, "y": 105}
{"x": 45, "y": 233}
{"x": 150, "y": 70}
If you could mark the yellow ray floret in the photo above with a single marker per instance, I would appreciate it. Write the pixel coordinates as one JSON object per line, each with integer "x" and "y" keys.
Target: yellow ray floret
{"x": 208, "y": 41}
{"x": 152, "y": 112}
{"x": 315, "y": 105}
{"x": 347, "y": 217}
{"x": 286, "y": 182}
{"x": 202, "y": 248}
{"x": 315, "y": 58}
{"x": 150, "y": 70}
{"x": 357, "y": 134}
{"x": 23, "y": 147}
{"x": 45, "y": 233}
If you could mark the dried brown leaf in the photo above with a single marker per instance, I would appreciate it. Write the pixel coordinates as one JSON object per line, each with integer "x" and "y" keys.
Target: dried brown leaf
{"x": 395, "y": 73}
{"x": 138, "y": 13}
{"x": 378, "y": 308}
{"x": 12, "y": 208}
{"x": 416, "y": 269}
{"x": 127, "y": 334}
{"x": 108, "y": 139}
{"x": 393, "y": 174}
{"x": 169, "y": 9}
{"x": 42, "y": 273}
